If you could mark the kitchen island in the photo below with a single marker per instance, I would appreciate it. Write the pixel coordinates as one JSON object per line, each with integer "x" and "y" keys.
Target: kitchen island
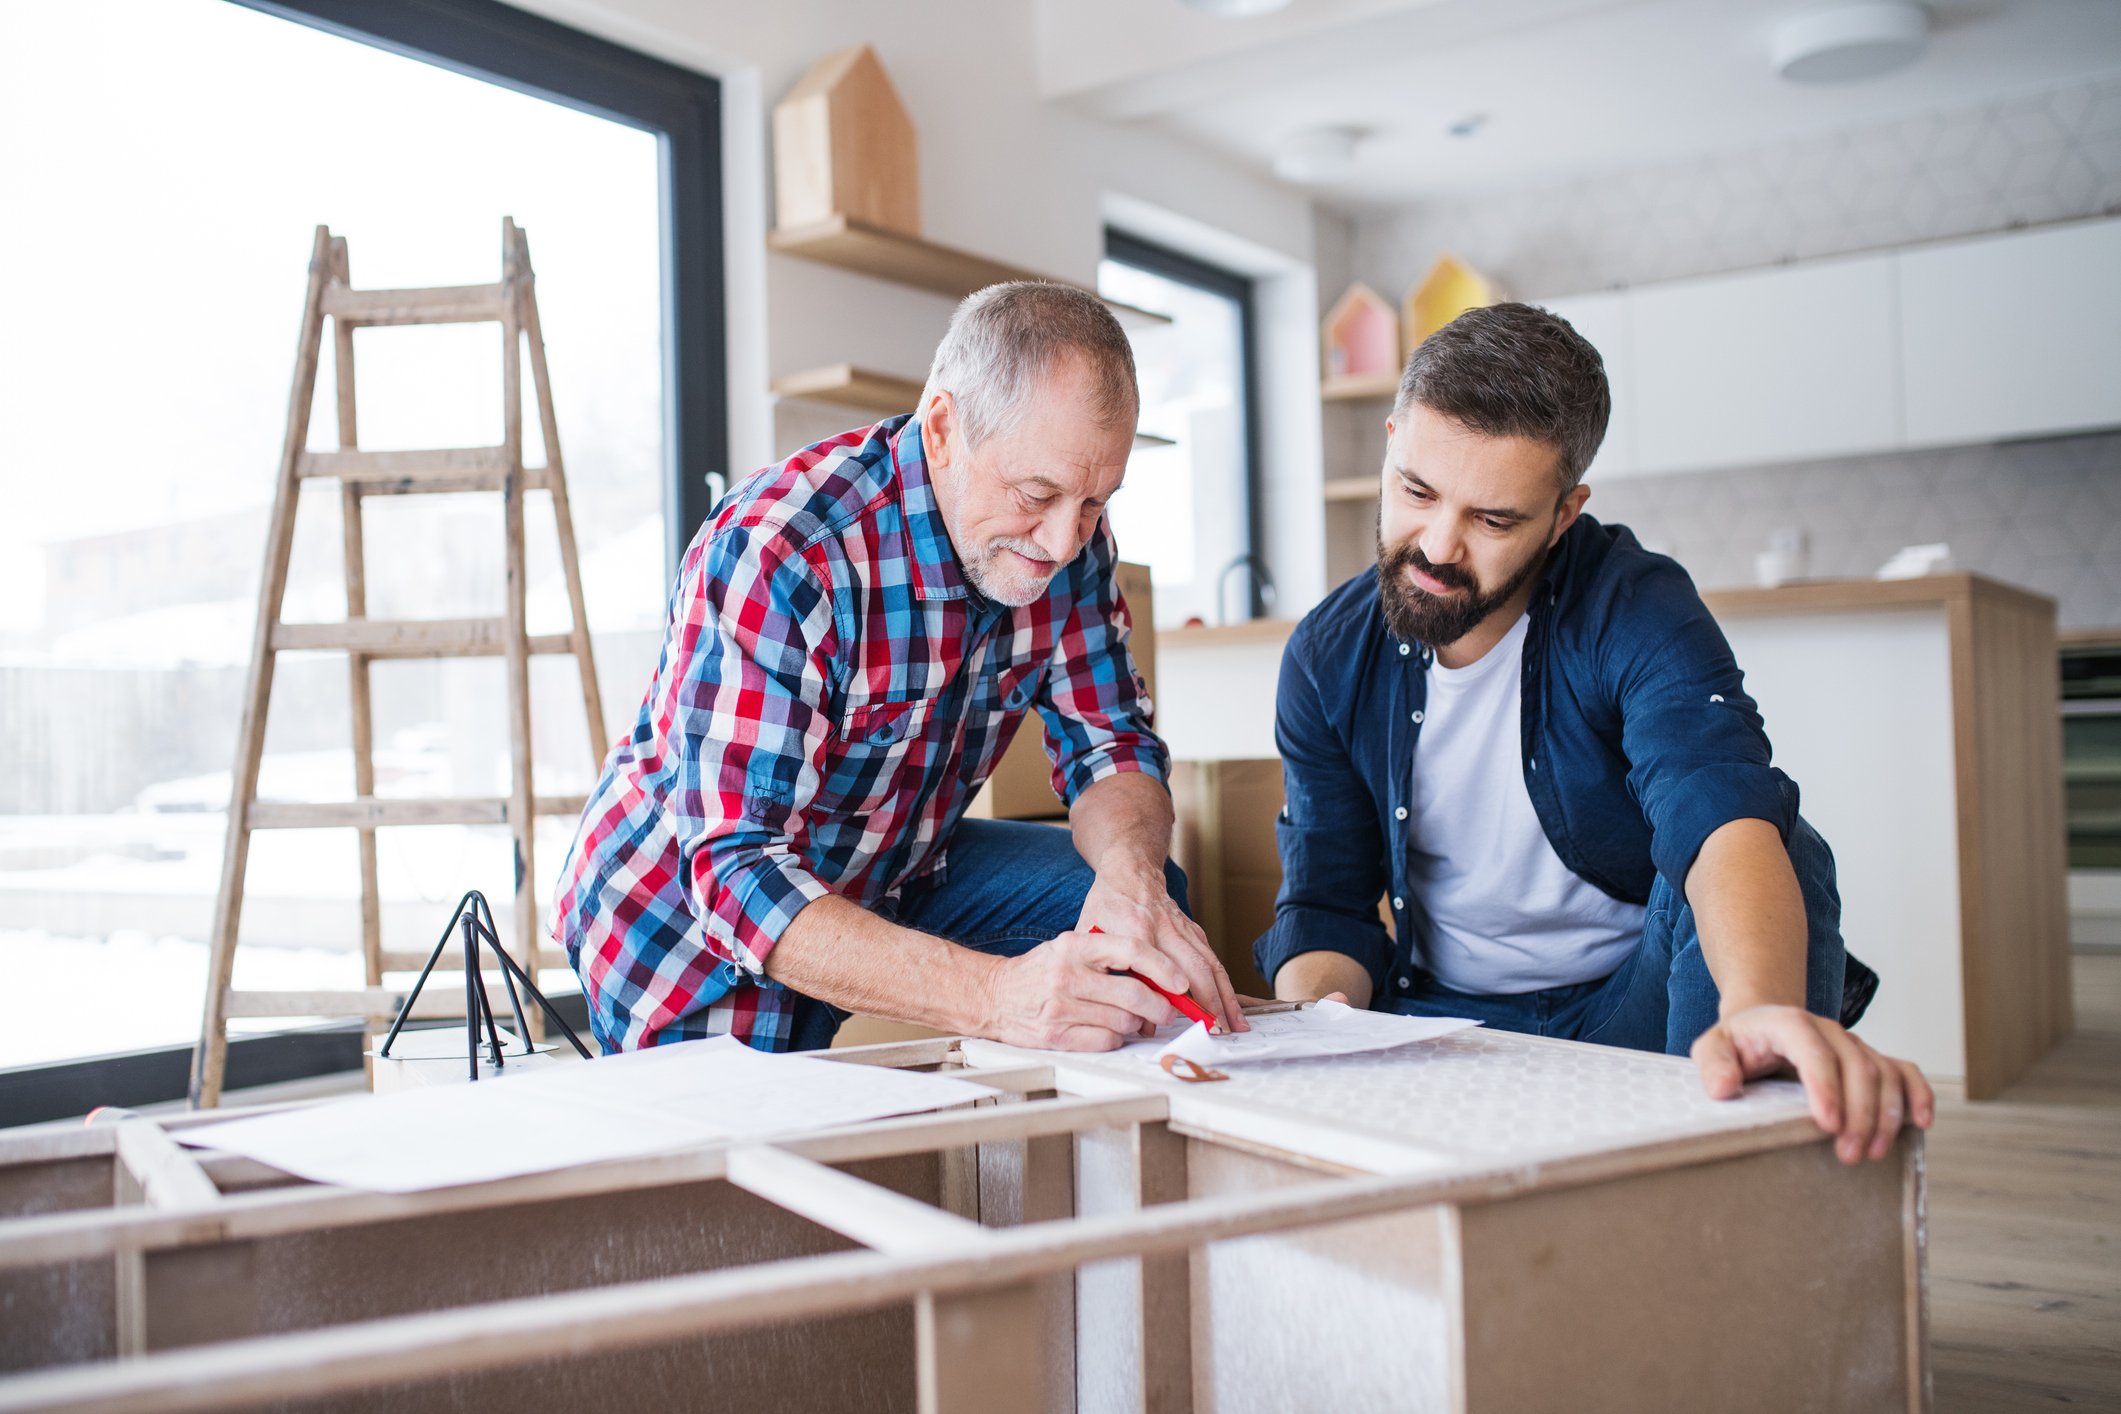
{"x": 1919, "y": 718}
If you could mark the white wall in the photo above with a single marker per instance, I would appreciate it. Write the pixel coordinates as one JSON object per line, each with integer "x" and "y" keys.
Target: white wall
{"x": 1002, "y": 173}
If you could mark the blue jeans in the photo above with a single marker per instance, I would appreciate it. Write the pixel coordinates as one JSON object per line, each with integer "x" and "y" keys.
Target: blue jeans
{"x": 1662, "y": 997}
{"x": 1009, "y": 886}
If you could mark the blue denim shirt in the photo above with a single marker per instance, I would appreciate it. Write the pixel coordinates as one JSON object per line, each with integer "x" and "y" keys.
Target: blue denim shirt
{"x": 1638, "y": 742}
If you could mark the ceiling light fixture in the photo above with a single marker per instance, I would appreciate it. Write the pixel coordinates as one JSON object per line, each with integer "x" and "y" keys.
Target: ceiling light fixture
{"x": 1323, "y": 154}
{"x": 1236, "y": 9}
{"x": 1843, "y": 42}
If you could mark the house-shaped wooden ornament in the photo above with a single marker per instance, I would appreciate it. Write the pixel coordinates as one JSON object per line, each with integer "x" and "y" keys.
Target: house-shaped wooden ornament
{"x": 843, "y": 145}
{"x": 1359, "y": 344}
{"x": 1449, "y": 289}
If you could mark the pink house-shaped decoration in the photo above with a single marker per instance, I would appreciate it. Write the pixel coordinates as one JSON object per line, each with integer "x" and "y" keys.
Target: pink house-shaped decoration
{"x": 1359, "y": 344}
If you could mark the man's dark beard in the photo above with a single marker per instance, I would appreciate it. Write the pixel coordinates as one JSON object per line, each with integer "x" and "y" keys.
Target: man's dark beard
{"x": 1417, "y": 616}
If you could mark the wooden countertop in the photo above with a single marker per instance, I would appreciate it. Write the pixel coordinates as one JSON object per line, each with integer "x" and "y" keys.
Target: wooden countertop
{"x": 1841, "y": 595}
{"x": 1804, "y": 597}
{"x": 1227, "y": 635}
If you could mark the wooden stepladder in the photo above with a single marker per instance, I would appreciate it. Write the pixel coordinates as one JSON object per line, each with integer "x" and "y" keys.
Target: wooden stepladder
{"x": 513, "y": 305}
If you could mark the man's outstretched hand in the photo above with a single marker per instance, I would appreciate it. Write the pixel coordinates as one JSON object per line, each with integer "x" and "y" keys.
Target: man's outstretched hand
{"x": 1856, "y": 1094}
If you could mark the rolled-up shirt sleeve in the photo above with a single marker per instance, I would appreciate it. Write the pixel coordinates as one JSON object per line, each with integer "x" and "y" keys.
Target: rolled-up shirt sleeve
{"x": 750, "y": 723}
{"x": 1332, "y": 851}
{"x": 1698, "y": 752}
{"x": 1096, "y": 710}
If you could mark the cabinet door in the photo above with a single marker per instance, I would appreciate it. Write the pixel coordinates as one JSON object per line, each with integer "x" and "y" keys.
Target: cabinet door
{"x": 1603, "y": 320}
{"x": 1768, "y": 366}
{"x": 2013, "y": 335}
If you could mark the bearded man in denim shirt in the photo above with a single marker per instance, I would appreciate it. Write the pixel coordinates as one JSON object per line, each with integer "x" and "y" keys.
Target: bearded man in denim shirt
{"x": 1528, "y": 733}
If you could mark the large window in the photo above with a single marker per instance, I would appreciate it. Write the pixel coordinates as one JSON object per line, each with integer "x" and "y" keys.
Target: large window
{"x": 1190, "y": 506}
{"x": 166, "y": 162}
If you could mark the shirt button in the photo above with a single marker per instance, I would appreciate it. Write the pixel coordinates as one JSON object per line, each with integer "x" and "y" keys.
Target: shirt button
{"x": 1417, "y": 719}
{"x": 1405, "y": 983}
{"x": 1404, "y": 650}
{"x": 1398, "y": 903}
{"x": 1400, "y": 813}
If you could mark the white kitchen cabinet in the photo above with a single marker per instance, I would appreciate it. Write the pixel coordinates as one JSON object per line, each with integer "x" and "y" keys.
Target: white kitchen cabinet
{"x": 2014, "y": 335}
{"x": 1766, "y": 366}
{"x": 1603, "y": 320}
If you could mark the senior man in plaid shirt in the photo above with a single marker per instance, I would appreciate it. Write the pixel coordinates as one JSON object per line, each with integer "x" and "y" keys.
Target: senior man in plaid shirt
{"x": 854, "y": 637}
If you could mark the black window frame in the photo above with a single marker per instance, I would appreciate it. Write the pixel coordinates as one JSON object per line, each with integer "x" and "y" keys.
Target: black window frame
{"x": 487, "y": 40}
{"x": 1129, "y": 249}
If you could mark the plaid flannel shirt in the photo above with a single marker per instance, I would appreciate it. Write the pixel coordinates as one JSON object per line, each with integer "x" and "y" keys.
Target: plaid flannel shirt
{"x": 831, "y": 695}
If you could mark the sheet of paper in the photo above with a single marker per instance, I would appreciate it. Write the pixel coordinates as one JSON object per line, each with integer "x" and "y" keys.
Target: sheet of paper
{"x": 617, "y": 1107}
{"x": 1321, "y": 1029}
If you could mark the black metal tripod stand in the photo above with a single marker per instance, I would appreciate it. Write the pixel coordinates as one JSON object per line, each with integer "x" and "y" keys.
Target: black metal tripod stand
{"x": 474, "y": 919}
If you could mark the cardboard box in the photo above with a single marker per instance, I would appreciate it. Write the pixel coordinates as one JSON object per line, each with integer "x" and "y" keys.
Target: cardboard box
{"x": 1225, "y": 843}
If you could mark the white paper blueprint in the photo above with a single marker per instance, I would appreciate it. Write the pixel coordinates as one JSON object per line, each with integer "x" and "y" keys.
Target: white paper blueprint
{"x": 616, "y": 1107}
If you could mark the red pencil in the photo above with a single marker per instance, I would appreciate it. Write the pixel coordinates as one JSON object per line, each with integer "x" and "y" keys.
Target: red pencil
{"x": 1187, "y": 1007}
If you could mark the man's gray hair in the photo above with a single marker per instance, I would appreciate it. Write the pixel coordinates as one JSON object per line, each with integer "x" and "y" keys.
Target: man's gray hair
{"x": 1004, "y": 341}
{"x": 1514, "y": 370}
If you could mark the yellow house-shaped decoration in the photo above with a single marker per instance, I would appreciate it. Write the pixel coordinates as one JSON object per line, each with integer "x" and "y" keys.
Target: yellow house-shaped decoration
{"x": 1359, "y": 345}
{"x": 843, "y": 145}
{"x": 1449, "y": 289}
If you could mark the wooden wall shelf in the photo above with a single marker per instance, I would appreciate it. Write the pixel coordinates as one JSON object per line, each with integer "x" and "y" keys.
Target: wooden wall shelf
{"x": 1351, "y": 488}
{"x": 848, "y": 386}
{"x": 844, "y": 385}
{"x": 923, "y": 264}
{"x": 1350, "y": 387}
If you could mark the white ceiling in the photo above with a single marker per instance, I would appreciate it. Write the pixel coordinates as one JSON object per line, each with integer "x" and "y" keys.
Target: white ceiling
{"x": 1568, "y": 88}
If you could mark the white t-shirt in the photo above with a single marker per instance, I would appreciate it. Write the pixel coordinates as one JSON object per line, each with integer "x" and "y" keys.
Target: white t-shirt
{"x": 1504, "y": 914}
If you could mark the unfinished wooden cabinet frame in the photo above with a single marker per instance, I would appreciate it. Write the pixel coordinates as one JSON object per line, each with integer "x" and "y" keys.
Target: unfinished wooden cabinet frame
{"x": 1086, "y": 1240}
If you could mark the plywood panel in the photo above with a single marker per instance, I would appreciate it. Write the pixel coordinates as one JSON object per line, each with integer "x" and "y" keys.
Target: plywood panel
{"x": 1108, "y": 1294}
{"x": 1475, "y": 1094}
{"x": 1265, "y": 1309}
{"x": 55, "y": 1186}
{"x": 57, "y": 1315}
{"x": 305, "y": 1280}
{"x": 862, "y": 1362}
{"x": 1771, "y": 1283}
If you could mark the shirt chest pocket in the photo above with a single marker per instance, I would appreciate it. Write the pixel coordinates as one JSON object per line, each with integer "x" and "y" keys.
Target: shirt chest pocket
{"x": 1015, "y": 688}
{"x": 878, "y": 753}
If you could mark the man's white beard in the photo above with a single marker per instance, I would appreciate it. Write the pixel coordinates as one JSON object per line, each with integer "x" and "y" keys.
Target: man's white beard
{"x": 1004, "y": 587}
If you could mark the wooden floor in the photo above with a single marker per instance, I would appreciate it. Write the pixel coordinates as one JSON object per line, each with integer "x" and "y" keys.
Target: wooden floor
{"x": 2025, "y": 1226}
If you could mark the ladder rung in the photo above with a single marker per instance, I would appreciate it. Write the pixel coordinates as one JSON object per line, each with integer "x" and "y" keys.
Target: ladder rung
{"x": 373, "y": 1003}
{"x": 411, "y": 638}
{"x": 399, "y": 960}
{"x": 415, "y": 473}
{"x": 369, "y": 811}
{"x": 442, "y": 304}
